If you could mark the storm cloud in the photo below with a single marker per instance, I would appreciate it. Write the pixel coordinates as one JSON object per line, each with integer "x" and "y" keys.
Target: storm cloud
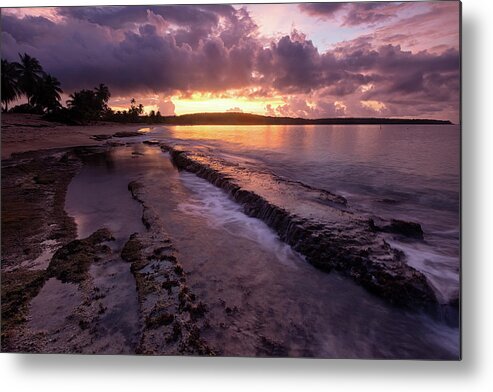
{"x": 171, "y": 50}
{"x": 353, "y": 14}
{"x": 86, "y": 47}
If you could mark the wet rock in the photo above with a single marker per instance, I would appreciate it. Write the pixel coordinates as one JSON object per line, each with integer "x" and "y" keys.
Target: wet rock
{"x": 159, "y": 317}
{"x": 45, "y": 178}
{"x": 131, "y": 249}
{"x": 173, "y": 316}
{"x": 101, "y": 137}
{"x": 123, "y": 134}
{"x": 388, "y": 201}
{"x": 169, "y": 285}
{"x": 34, "y": 186}
{"x": 400, "y": 227}
{"x": 331, "y": 199}
{"x": 70, "y": 263}
{"x": 88, "y": 302}
{"x": 33, "y": 196}
{"x": 18, "y": 288}
{"x": 270, "y": 348}
{"x": 408, "y": 229}
{"x": 198, "y": 310}
{"x": 175, "y": 334}
{"x": 115, "y": 144}
{"x": 341, "y": 241}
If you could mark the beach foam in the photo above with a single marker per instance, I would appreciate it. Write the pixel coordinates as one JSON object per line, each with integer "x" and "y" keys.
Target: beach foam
{"x": 221, "y": 212}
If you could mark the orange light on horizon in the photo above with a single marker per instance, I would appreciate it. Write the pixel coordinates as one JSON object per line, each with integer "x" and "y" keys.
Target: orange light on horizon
{"x": 202, "y": 103}
{"x": 207, "y": 104}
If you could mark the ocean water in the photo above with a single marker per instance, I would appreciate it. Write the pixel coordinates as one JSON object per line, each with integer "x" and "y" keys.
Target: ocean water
{"x": 278, "y": 303}
{"x": 408, "y": 172}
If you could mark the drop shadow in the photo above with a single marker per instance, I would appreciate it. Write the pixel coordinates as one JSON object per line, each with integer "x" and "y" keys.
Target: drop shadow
{"x": 470, "y": 195}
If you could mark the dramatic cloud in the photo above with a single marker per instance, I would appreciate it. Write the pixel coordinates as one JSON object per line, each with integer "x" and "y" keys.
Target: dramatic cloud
{"x": 434, "y": 28}
{"x": 164, "y": 55}
{"x": 322, "y": 9}
{"x": 82, "y": 52}
{"x": 192, "y": 22}
{"x": 353, "y": 14}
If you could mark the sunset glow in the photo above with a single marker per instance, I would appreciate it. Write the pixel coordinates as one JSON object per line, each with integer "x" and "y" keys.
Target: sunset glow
{"x": 308, "y": 60}
{"x": 202, "y": 103}
{"x": 233, "y": 180}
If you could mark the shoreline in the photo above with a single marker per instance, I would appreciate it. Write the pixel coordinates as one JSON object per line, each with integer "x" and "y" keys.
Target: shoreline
{"x": 365, "y": 256}
{"x": 29, "y": 133}
{"x": 60, "y": 304}
{"x": 33, "y": 216}
{"x": 178, "y": 326}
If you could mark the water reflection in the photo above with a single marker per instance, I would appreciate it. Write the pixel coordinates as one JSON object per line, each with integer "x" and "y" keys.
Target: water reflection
{"x": 98, "y": 195}
{"x": 408, "y": 172}
{"x": 237, "y": 262}
{"x": 423, "y": 149}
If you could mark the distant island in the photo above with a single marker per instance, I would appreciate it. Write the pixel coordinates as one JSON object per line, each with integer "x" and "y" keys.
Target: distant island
{"x": 256, "y": 119}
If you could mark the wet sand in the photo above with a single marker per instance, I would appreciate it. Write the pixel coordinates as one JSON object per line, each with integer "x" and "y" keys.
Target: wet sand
{"x": 29, "y": 132}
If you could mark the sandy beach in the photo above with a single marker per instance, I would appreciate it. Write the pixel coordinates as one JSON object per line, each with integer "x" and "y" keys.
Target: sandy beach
{"x": 29, "y": 132}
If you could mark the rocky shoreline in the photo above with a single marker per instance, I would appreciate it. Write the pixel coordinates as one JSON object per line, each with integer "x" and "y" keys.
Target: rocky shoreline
{"x": 85, "y": 295}
{"x": 173, "y": 316}
{"x": 33, "y": 193}
{"x": 61, "y": 294}
{"x": 339, "y": 240}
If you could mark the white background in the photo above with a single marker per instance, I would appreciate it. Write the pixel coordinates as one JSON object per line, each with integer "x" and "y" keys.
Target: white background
{"x": 87, "y": 373}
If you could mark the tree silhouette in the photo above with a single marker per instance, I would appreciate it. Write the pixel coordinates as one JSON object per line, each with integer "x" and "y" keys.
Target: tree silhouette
{"x": 47, "y": 94}
{"x": 103, "y": 94}
{"x": 88, "y": 105}
{"x": 84, "y": 104}
{"x": 135, "y": 110}
{"x": 10, "y": 82}
{"x": 30, "y": 76}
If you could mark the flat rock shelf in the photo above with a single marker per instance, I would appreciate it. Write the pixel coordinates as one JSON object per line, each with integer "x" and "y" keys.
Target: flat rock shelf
{"x": 323, "y": 228}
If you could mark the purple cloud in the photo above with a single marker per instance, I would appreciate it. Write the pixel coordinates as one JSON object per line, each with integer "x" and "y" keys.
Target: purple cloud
{"x": 168, "y": 50}
{"x": 322, "y": 9}
{"x": 81, "y": 52}
{"x": 354, "y": 14}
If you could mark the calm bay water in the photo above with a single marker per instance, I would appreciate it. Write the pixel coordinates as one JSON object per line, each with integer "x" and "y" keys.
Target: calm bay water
{"x": 409, "y": 172}
{"x": 279, "y": 304}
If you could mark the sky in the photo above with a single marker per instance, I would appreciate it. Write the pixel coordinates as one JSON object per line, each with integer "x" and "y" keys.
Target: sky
{"x": 312, "y": 60}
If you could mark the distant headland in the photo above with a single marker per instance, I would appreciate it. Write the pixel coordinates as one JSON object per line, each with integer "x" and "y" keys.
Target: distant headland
{"x": 256, "y": 119}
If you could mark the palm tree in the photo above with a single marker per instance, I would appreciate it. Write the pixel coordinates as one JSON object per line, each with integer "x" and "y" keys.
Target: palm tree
{"x": 135, "y": 110}
{"x": 47, "y": 93}
{"x": 103, "y": 93}
{"x": 85, "y": 105}
{"x": 83, "y": 101}
{"x": 30, "y": 75}
{"x": 10, "y": 82}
